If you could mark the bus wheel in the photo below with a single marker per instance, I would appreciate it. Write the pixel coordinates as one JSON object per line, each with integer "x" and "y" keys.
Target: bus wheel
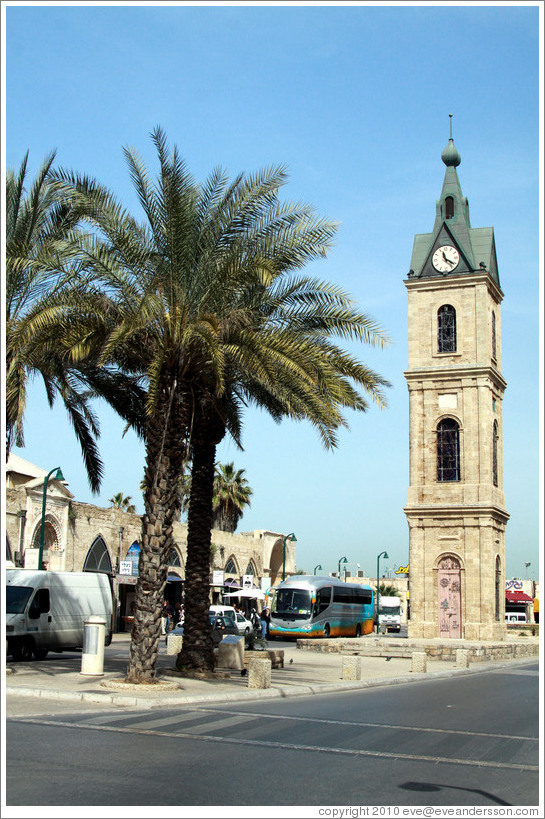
{"x": 358, "y": 630}
{"x": 327, "y": 631}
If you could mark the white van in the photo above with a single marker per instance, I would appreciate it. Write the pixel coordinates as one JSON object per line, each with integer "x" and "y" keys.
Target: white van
{"x": 46, "y": 611}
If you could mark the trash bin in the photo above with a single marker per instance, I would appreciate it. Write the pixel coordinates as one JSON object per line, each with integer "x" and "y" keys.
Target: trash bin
{"x": 92, "y": 658}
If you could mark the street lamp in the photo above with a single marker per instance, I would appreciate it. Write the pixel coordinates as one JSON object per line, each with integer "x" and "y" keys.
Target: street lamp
{"x": 58, "y": 477}
{"x": 382, "y": 554}
{"x": 293, "y": 539}
{"x": 342, "y": 560}
{"x": 319, "y": 566}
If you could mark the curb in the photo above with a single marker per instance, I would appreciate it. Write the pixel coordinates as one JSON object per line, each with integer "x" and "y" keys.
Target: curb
{"x": 276, "y": 692}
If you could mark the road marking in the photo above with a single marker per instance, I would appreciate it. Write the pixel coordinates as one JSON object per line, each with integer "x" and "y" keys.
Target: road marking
{"x": 287, "y": 746}
{"x": 354, "y": 724}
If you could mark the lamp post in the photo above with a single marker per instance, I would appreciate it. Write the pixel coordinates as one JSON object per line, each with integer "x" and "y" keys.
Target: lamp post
{"x": 58, "y": 477}
{"x": 382, "y": 554}
{"x": 293, "y": 539}
{"x": 342, "y": 560}
{"x": 319, "y": 566}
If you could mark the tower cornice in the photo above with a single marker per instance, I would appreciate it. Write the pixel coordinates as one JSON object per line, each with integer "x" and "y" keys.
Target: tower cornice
{"x": 439, "y": 282}
{"x": 452, "y": 372}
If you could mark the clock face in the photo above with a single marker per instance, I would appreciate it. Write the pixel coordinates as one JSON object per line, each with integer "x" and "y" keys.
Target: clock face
{"x": 445, "y": 258}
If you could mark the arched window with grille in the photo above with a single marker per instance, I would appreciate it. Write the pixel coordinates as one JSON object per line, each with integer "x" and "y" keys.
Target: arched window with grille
{"x": 446, "y": 329}
{"x": 493, "y": 334}
{"x": 495, "y": 437}
{"x": 448, "y": 450}
{"x": 230, "y": 567}
{"x": 174, "y": 559}
{"x": 498, "y": 589}
{"x": 98, "y": 557}
{"x": 449, "y": 207}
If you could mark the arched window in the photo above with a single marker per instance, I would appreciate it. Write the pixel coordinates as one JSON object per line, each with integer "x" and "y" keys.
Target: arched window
{"x": 251, "y": 569}
{"x": 495, "y": 437}
{"x": 446, "y": 329}
{"x": 174, "y": 559}
{"x": 493, "y": 335}
{"x": 497, "y": 606}
{"x": 448, "y": 450}
{"x": 230, "y": 568}
{"x": 449, "y": 207}
{"x": 98, "y": 558}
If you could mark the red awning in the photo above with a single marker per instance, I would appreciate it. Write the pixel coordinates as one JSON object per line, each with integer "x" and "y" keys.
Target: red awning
{"x": 518, "y": 597}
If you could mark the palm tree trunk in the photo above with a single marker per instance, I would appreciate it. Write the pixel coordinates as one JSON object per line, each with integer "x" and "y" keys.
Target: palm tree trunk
{"x": 198, "y": 649}
{"x": 165, "y": 456}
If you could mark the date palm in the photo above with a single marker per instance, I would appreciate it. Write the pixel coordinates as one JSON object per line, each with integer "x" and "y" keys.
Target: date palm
{"x": 204, "y": 299}
{"x": 231, "y": 494}
{"x": 43, "y": 265}
{"x": 123, "y": 502}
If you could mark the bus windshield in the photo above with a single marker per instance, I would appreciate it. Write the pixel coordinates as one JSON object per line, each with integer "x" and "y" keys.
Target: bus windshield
{"x": 293, "y": 603}
{"x": 17, "y": 598}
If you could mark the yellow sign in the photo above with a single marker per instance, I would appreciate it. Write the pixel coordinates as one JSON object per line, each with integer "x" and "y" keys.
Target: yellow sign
{"x": 403, "y": 570}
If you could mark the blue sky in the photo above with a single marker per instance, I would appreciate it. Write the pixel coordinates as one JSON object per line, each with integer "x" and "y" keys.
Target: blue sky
{"x": 355, "y": 101}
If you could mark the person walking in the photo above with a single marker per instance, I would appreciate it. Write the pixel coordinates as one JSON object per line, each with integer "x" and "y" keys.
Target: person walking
{"x": 265, "y": 620}
{"x": 164, "y": 618}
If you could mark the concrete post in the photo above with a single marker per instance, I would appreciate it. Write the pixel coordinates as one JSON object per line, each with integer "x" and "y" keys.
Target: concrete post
{"x": 259, "y": 673}
{"x": 462, "y": 658}
{"x": 352, "y": 668}
{"x": 419, "y": 661}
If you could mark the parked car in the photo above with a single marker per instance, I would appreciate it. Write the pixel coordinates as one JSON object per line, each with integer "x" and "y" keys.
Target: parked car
{"x": 220, "y": 623}
{"x": 244, "y": 625}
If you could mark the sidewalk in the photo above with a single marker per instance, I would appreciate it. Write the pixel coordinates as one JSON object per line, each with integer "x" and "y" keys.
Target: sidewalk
{"x": 305, "y": 673}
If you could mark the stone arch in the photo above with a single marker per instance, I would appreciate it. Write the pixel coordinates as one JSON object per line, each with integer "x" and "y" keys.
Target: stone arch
{"x": 277, "y": 560}
{"x": 53, "y": 546}
{"x": 98, "y": 558}
{"x": 231, "y": 566}
{"x": 251, "y": 568}
{"x": 449, "y": 595}
{"x": 176, "y": 560}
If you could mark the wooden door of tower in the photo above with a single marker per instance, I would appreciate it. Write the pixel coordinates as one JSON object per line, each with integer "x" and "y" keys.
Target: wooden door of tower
{"x": 450, "y": 610}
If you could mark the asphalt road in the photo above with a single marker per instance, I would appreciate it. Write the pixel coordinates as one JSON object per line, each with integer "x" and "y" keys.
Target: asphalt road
{"x": 466, "y": 741}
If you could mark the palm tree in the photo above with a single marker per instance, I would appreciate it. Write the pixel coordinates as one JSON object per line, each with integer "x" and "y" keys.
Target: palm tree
{"x": 200, "y": 299}
{"x": 123, "y": 502}
{"x": 42, "y": 281}
{"x": 231, "y": 494}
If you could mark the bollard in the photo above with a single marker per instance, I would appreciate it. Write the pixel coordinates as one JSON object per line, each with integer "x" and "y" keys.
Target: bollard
{"x": 259, "y": 673}
{"x": 418, "y": 659}
{"x": 92, "y": 657}
{"x": 174, "y": 643}
{"x": 462, "y": 658}
{"x": 352, "y": 668}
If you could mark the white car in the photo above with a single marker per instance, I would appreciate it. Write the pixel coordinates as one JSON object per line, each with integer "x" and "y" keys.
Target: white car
{"x": 243, "y": 624}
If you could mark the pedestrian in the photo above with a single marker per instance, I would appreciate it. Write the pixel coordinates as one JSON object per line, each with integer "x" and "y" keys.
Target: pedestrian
{"x": 265, "y": 620}
{"x": 164, "y": 618}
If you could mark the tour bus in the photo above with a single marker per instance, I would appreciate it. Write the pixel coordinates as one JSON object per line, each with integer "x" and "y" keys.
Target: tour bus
{"x": 309, "y": 606}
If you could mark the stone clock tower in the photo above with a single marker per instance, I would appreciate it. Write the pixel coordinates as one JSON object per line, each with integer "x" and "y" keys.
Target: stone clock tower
{"x": 455, "y": 507}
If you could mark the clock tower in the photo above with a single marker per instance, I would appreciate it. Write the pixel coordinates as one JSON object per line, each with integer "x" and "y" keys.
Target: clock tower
{"x": 456, "y": 506}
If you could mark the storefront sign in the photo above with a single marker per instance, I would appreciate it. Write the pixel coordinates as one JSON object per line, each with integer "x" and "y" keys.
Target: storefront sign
{"x": 127, "y": 580}
{"x": 247, "y": 581}
{"x": 125, "y": 567}
{"x": 217, "y": 578}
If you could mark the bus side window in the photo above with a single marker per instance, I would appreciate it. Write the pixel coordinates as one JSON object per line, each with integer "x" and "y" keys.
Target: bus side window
{"x": 323, "y": 599}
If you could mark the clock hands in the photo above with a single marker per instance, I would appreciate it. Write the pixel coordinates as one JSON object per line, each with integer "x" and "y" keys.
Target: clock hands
{"x": 449, "y": 261}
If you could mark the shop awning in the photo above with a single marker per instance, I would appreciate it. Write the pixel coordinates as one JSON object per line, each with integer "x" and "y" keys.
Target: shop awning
{"x": 173, "y": 578}
{"x": 518, "y": 597}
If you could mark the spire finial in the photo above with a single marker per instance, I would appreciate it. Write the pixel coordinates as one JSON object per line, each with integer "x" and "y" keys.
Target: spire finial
{"x": 450, "y": 155}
